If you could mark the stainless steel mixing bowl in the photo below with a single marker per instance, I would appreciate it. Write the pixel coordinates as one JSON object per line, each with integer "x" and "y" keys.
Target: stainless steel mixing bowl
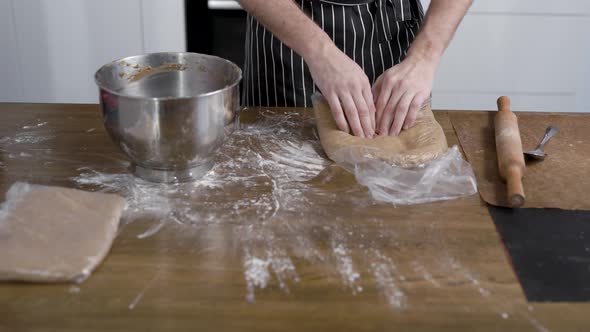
{"x": 169, "y": 112}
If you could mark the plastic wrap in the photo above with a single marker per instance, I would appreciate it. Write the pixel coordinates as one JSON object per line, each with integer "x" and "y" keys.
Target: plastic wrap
{"x": 51, "y": 234}
{"x": 447, "y": 177}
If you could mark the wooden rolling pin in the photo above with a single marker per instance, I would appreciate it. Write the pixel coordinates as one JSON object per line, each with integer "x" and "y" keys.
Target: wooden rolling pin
{"x": 509, "y": 149}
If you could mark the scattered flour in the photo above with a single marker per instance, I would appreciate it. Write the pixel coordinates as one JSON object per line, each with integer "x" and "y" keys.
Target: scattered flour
{"x": 421, "y": 269}
{"x": 148, "y": 285}
{"x": 385, "y": 274}
{"x": 259, "y": 179}
{"x": 25, "y": 138}
{"x": 74, "y": 289}
{"x": 28, "y": 136}
{"x": 259, "y": 186}
{"x": 40, "y": 124}
{"x": 257, "y": 274}
{"x": 346, "y": 267}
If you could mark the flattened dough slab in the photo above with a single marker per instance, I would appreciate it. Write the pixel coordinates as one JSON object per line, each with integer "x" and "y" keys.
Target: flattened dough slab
{"x": 422, "y": 143}
{"x": 51, "y": 234}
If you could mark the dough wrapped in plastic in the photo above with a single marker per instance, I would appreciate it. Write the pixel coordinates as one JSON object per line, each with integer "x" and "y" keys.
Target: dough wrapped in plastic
{"x": 412, "y": 168}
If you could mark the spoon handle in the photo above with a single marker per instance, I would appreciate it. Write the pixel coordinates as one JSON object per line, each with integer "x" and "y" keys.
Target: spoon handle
{"x": 550, "y": 132}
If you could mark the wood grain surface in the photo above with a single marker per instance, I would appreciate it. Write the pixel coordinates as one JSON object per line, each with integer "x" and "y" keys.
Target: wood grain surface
{"x": 433, "y": 267}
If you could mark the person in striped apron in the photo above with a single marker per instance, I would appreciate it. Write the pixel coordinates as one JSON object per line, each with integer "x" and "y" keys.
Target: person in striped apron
{"x": 373, "y": 60}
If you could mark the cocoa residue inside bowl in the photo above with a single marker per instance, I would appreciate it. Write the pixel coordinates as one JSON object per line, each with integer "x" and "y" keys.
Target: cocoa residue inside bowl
{"x": 142, "y": 72}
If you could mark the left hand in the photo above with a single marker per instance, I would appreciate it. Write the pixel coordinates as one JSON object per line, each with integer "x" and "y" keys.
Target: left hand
{"x": 400, "y": 93}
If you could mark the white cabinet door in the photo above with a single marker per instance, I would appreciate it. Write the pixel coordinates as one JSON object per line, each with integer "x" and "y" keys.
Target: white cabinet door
{"x": 61, "y": 43}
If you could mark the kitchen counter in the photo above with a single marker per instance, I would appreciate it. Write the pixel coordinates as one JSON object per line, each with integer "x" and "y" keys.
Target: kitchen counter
{"x": 344, "y": 266}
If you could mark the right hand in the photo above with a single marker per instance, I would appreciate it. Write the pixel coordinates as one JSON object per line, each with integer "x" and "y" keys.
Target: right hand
{"x": 347, "y": 89}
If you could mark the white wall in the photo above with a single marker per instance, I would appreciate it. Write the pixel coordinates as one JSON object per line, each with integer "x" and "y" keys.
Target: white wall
{"x": 10, "y": 78}
{"x": 535, "y": 51}
{"x": 50, "y": 49}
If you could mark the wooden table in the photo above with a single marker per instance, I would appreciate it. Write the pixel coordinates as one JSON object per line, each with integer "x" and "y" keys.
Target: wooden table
{"x": 428, "y": 267}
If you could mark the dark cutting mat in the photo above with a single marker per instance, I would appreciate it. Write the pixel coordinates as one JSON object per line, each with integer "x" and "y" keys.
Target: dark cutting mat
{"x": 550, "y": 251}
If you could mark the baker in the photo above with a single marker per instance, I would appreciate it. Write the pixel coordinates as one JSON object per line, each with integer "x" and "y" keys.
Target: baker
{"x": 373, "y": 60}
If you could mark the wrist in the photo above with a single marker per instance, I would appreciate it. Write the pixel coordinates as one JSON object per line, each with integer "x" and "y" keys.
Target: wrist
{"x": 426, "y": 53}
{"x": 319, "y": 47}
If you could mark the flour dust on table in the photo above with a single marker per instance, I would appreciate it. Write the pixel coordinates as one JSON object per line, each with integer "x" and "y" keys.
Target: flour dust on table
{"x": 289, "y": 207}
{"x": 29, "y": 134}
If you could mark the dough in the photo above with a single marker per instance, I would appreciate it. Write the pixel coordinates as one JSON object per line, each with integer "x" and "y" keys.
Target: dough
{"x": 420, "y": 144}
{"x": 51, "y": 234}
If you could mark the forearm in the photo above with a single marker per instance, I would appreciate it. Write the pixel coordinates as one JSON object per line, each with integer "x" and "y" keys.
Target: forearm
{"x": 288, "y": 23}
{"x": 441, "y": 22}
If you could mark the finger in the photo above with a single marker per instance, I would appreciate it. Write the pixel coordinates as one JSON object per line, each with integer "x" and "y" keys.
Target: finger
{"x": 376, "y": 91}
{"x": 389, "y": 113}
{"x": 372, "y": 112}
{"x": 380, "y": 105}
{"x": 401, "y": 110}
{"x": 364, "y": 114}
{"x": 417, "y": 104}
{"x": 377, "y": 88}
{"x": 352, "y": 115}
{"x": 386, "y": 91}
{"x": 337, "y": 113}
{"x": 369, "y": 99}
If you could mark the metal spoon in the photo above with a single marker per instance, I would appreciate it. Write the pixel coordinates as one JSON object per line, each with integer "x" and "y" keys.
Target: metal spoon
{"x": 538, "y": 152}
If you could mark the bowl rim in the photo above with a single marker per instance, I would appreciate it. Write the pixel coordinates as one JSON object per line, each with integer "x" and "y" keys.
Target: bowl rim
{"x": 113, "y": 92}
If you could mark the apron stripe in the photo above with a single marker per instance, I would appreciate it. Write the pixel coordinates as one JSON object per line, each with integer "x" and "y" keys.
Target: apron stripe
{"x": 401, "y": 3}
{"x": 364, "y": 37}
{"x": 258, "y": 69}
{"x": 245, "y": 91}
{"x": 265, "y": 66}
{"x": 293, "y": 78}
{"x": 382, "y": 60}
{"x": 399, "y": 44}
{"x": 333, "y": 24}
{"x": 353, "y": 39}
{"x": 408, "y": 42}
{"x": 344, "y": 29}
{"x": 323, "y": 27}
{"x": 303, "y": 72}
{"x": 312, "y": 82}
{"x": 284, "y": 81}
{"x": 274, "y": 70}
{"x": 389, "y": 18}
{"x": 252, "y": 69}
{"x": 390, "y": 55}
{"x": 372, "y": 76}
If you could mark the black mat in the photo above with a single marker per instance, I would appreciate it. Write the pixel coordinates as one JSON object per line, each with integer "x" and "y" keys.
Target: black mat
{"x": 550, "y": 251}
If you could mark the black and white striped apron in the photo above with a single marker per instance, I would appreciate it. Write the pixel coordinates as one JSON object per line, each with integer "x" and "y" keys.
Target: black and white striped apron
{"x": 376, "y": 34}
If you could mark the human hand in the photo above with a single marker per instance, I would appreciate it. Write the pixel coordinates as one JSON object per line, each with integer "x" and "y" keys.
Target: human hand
{"x": 346, "y": 88}
{"x": 400, "y": 93}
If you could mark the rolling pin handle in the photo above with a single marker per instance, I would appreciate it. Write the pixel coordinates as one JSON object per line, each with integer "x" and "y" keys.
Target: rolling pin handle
{"x": 515, "y": 188}
{"x": 504, "y": 104}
